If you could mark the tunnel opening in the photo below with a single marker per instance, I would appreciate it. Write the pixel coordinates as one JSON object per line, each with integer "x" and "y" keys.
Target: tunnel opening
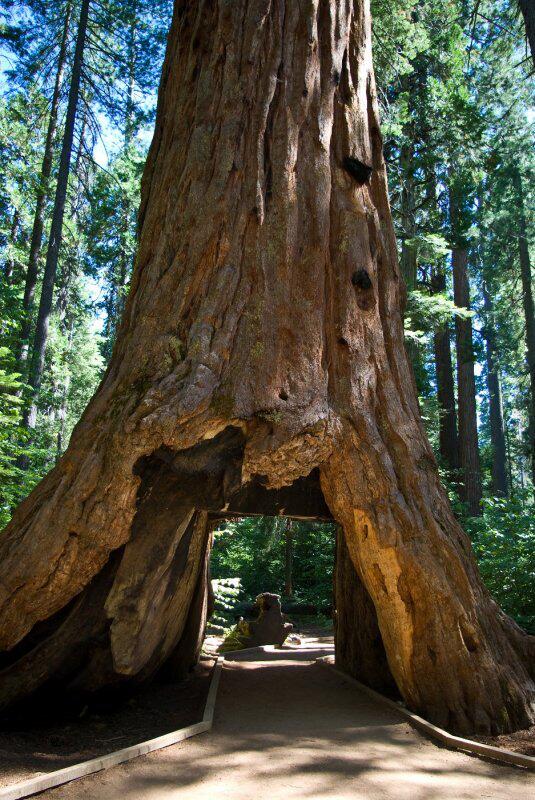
{"x": 275, "y": 555}
{"x": 144, "y": 616}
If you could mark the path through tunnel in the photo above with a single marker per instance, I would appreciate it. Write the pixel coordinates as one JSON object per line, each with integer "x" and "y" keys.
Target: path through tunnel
{"x": 210, "y": 474}
{"x": 145, "y": 613}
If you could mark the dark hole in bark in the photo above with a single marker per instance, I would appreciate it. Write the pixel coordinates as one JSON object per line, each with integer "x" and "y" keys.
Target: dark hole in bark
{"x": 303, "y": 499}
{"x": 343, "y": 342}
{"x": 361, "y": 280}
{"x": 305, "y": 92}
{"x": 268, "y": 135}
{"x": 209, "y": 477}
{"x": 468, "y": 638}
{"x": 41, "y": 631}
{"x": 344, "y": 88}
{"x": 206, "y": 475}
{"x": 357, "y": 169}
{"x": 283, "y": 395}
{"x": 336, "y": 77}
{"x": 41, "y": 679}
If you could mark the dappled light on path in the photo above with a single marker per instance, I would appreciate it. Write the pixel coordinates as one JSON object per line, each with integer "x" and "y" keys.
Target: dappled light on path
{"x": 286, "y": 728}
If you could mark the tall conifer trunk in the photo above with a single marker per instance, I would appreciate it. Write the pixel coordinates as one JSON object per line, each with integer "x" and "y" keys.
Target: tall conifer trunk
{"x": 466, "y": 388}
{"x": 527, "y": 8}
{"x": 56, "y": 229}
{"x": 527, "y": 300}
{"x": 9, "y": 266}
{"x": 497, "y": 428}
{"x": 288, "y": 558}
{"x": 261, "y": 348}
{"x": 43, "y": 190}
{"x": 448, "y": 438}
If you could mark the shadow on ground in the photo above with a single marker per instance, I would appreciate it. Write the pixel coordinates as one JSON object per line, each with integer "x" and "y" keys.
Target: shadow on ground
{"x": 287, "y": 728}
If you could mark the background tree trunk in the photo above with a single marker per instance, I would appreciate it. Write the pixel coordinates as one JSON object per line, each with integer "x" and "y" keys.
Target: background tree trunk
{"x": 56, "y": 229}
{"x": 497, "y": 430}
{"x": 43, "y": 189}
{"x": 527, "y": 299}
{"x": 263, "y": 340}
{"x": 9, "y": 266}
{"x": 448, "y": 439}
{"x": 527, "y": 8}
{"x": 288, "y": 558}
{"x": 466, "y": 388}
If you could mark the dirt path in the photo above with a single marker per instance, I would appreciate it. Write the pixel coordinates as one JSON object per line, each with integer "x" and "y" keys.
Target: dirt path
{"x": 286, "y": 728}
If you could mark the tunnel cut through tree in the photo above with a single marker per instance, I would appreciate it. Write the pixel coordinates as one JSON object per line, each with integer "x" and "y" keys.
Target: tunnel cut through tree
{"x": 260, "y": 355}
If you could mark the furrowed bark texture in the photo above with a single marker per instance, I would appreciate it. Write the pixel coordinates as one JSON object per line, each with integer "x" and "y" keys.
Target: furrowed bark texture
{"x": 358, "y": 644}
{"x": 262, "y": 341}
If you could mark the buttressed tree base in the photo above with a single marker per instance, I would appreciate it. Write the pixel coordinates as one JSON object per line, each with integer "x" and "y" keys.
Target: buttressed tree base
{"x": 260, "y": 366}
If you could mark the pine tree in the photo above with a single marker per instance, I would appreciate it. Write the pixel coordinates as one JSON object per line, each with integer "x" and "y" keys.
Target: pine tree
{"x": 56, "y": 229}
{"x": 43, "y": 191}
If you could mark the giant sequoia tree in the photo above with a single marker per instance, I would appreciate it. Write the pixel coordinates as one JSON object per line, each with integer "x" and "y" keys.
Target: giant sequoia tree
{"x": 259, "y": 367}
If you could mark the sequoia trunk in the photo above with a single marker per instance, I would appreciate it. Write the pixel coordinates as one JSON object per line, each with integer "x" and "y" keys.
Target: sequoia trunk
{"x": 449, "y": 441}
{"x": 466, "y": 388}
{"x": 43, "y": 189}
{"x": 262, "y": 342}
{"x": 56, "y": 228}
{"x": 527, "y": 300}
{"x": 497, "y": 428}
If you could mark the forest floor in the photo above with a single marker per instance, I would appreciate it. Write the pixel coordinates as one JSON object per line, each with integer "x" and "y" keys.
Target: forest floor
{"x": 286, "y": 727}
{"x": 29, "y": 750}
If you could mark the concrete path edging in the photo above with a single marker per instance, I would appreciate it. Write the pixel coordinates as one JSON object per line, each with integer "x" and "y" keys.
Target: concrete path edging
{"x": 427, "y": 728}
{"x": 51, "y": 780}
{"x": 57, "y": 778}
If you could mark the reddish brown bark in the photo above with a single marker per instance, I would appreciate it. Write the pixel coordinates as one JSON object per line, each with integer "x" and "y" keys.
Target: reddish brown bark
{"x": 358, "y": 644}
{"x": 262, "y": 343}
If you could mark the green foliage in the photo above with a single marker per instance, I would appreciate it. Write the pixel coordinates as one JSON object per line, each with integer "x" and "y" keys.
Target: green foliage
{"x": 226, "y": 592}
{"x": 116, "y": 108}
{"x": 254, "y": 548}
{"x": 111, "y": 234}
{"x": 236, "y": 637}
{"x": 14, "y": 482}
{"x": 504, "y": 543}
{"x": 9, "y": 419}
{"x": 428, "y": 311}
